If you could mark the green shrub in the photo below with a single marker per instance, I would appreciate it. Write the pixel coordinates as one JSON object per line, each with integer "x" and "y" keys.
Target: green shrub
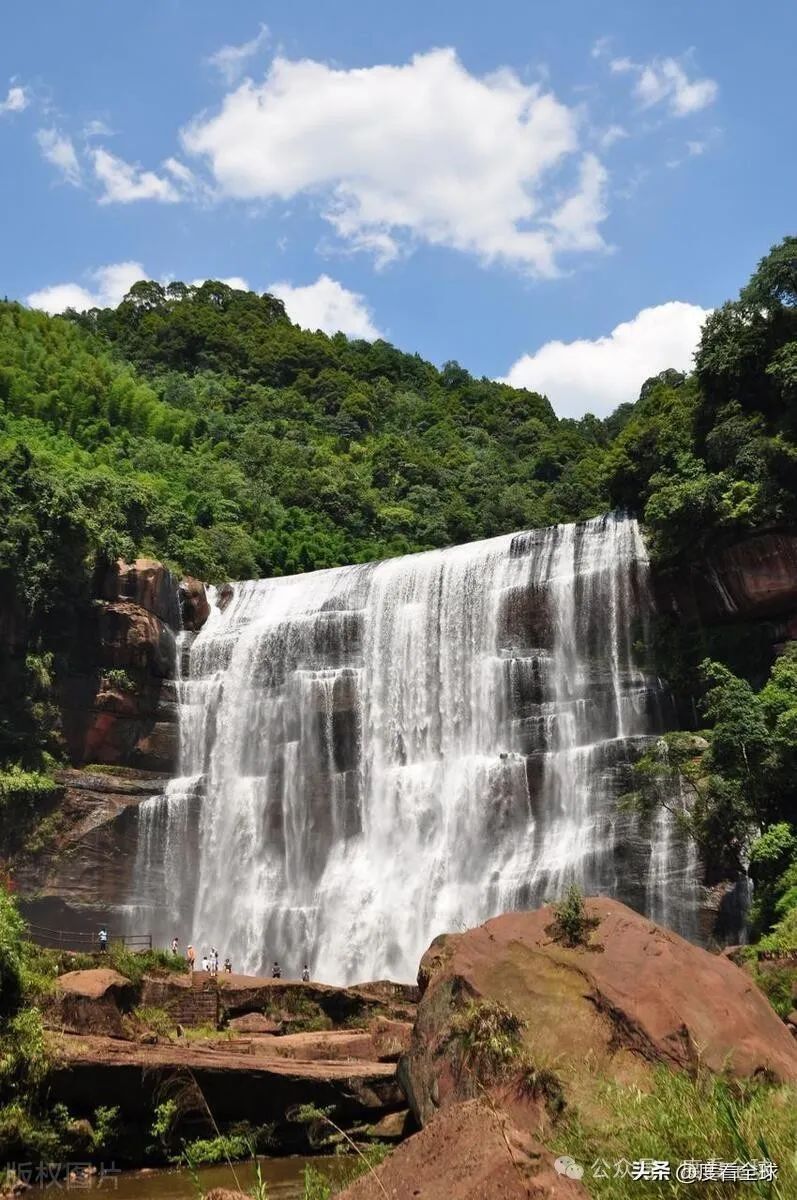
{"x": 23, "y": 797}
{"x": 118, "y": 678}
{"x": 164, "y": 1126}
{"x": 26, "y": 1137}
{"x": 105, "y": 1128}
{"x": 572, "y": 924}
{"x": 11, "y": 954}
{"x": 226, "y": 1146}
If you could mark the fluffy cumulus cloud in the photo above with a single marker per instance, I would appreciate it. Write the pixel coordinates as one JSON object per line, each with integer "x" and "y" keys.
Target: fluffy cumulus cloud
{"x": 107, "y": 287}
{"x": 16, "y": 100}
{"x": 123, "y": 183}
{"x": 423, "y": 151}
{"x": 596, "y": 376}
{"x": 328, "y": 305}
{"x": 665, "y": 81}
{"x": 59, "y": 150}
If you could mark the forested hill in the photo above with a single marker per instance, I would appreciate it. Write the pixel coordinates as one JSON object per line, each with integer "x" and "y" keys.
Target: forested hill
{"x": 198, "y": 424}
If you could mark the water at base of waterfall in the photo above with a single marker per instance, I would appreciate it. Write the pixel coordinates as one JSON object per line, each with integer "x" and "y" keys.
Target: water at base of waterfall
{"x": 376, "y": 754}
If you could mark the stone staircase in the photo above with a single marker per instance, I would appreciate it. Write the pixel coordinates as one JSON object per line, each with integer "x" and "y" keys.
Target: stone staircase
{"x": 191, "y": 1006}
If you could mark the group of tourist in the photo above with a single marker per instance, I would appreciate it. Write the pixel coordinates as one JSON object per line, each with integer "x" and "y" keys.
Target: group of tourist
{"x": 210, "y": 962}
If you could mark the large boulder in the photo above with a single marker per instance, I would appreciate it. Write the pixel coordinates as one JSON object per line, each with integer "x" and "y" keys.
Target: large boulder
{"x": 194, "y": 604}
{"x": 637, "y": 996}
{"x": 91, "y": 1001}
{"x": 147, "y": 583}
{"x": 130, "y": 636}
{"x": 469, "y": 1152}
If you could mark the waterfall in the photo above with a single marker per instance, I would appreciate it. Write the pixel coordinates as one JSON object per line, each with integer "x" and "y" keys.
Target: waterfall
{"x": 375, "y": 754}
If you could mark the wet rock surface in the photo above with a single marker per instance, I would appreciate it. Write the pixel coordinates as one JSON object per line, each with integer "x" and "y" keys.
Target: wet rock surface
{"x": 86, "y": 867}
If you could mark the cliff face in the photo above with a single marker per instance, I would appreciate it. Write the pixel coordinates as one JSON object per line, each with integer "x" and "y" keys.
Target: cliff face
{"x": 754, "y": 580}
{"x": 118, "y": 709}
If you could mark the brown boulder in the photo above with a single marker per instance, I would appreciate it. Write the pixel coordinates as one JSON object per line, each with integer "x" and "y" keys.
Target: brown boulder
{"x": 468, "y": 1152}
{"x": 93, "y": 984}
{"x": 91, "y": 1001}
{"x": 639, "y": 995}
{"x": 130, "y": 636}
{"x": 194, "y": 605}
{"x": 145, "y": 582}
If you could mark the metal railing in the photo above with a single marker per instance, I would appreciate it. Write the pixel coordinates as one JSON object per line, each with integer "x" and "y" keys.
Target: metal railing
{"x": 70, "y": 939}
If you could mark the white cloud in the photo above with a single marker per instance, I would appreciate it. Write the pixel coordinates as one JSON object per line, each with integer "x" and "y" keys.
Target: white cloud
{"x": 664, "y": 80}
{"x": 615, "y": 133}
{"x": 16, "y": 100}
{"x": 231, "y": 60}
{"x": 124, "y": 183}
{"x": 97, "y": 128}
{"x": 59, "y": 150}
{"x": 419, "y": 152}
{"x": 600, "y": 47}
{"x": 109, "y": 286}
{"x": 233, "y": 281}
{"x": 596, "y": 376}
{"x": 327, "y": 305}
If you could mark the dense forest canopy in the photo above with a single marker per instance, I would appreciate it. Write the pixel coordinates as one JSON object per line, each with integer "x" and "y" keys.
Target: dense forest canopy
{"x": 199, "y": 425}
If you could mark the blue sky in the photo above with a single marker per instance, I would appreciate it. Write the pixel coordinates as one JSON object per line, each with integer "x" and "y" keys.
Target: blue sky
{"x": 553, "y": 193}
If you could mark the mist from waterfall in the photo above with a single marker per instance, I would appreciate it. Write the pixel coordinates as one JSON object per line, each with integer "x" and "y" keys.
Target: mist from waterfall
{"x": 376, "y": 754}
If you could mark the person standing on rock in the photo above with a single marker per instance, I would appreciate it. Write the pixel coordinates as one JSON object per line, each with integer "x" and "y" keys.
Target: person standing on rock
{"x": 206, "y": 963}
{"x": 103, "y": 940}
{"x": 175, "y": 945}
{"x": 227, "y": 966}
{"x": 191, "y": 956}
{"x": 276, "y": 971}
{"x": 306, "y": 974}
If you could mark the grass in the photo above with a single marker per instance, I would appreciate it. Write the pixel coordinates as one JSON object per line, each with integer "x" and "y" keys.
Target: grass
{"x": 778, "y": 982}
{"x": 679, "y": 1119}
{"x": 489, "y": 1036}
{"x": 135, "y": 964}
{"x": 155, "y": 1020}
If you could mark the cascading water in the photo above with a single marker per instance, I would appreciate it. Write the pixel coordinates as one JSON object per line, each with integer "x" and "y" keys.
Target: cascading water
{"x": 375, "y": 754}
